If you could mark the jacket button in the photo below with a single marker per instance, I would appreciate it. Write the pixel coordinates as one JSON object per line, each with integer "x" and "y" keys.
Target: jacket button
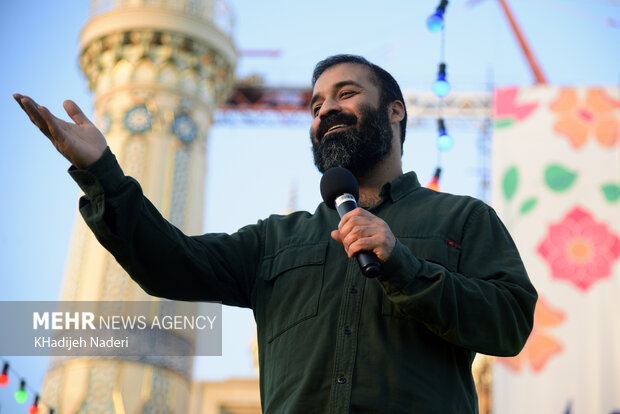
{"x": 341, "y": 380}
{"x": 353, "y": 289}
{"x": 347, "y": 331}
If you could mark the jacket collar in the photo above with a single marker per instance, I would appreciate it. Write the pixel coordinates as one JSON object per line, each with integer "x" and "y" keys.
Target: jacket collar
{"x": 400, "y": 187}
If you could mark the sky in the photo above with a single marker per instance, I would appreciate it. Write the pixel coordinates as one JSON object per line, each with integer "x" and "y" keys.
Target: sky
{"x": 575, "y": 41}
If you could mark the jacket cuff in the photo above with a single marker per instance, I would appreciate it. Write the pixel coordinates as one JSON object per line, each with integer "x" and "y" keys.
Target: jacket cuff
{"x": 105, "y": 175}
{"x": 399, "y": 270}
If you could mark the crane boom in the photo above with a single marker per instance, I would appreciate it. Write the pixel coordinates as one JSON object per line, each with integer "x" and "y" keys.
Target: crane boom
{"x": 539, "y": 76}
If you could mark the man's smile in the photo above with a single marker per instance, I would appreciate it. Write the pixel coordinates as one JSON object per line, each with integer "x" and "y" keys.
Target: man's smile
{"x": 336, "y": 127}
{"x": 334, "y": 123}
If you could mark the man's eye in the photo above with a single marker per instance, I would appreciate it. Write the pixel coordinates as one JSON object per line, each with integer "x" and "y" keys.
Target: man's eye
{"x": 346, "y": 94}
{"x": 315, "y": 111}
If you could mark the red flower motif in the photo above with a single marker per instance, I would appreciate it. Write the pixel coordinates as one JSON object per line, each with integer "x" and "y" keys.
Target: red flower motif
{"x": 540, "y": 347}
{"x": 595, "y": 115}
{"x": 579, "y": 249}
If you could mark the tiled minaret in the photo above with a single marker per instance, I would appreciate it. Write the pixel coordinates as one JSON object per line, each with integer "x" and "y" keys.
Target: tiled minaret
{"x": 158, "y": 69}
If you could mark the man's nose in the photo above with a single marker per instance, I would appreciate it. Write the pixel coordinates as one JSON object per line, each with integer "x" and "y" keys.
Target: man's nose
{"x": 328, "y": 107}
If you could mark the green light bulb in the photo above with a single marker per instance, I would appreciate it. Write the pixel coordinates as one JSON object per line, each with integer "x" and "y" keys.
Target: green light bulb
{"x": 21, "y": 396}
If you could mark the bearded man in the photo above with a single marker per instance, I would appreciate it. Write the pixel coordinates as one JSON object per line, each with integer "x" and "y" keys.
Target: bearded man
{"x": 331, "y": 340}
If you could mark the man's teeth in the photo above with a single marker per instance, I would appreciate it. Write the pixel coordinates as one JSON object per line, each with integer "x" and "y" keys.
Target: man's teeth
{"x": 336, "y": 126}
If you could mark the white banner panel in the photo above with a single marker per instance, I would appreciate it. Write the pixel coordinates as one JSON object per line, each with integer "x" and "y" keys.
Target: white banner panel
{"x": 556, "y": 185}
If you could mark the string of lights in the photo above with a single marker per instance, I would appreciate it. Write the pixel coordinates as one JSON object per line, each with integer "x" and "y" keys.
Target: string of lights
{"x": 441, "y": 87}
{"x": 22, "y": 392}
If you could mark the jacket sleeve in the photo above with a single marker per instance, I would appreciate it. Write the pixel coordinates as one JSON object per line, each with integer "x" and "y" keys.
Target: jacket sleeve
{"x": 487, "y": 306}
{"x": 157, "y": 255}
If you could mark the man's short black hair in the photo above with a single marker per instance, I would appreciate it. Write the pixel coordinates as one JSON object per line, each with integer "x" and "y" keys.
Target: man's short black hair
{"x": 390, "y": 91}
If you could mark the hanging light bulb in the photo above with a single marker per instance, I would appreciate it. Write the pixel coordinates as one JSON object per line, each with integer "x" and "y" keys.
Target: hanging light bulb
{"x": 444, "y": 140}
{"x": 441, "y": 87}
{"x": 435, "y": 21}
{"x": 434, "y": 182}
{"x": 20, "y": 395}
{"x": 4, "y": 377}
{"x": 34, "y": 408}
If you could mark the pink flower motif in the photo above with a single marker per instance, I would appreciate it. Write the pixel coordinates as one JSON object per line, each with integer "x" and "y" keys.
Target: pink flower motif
{"x": 506, "y": 108}
{"x": 579, "y": 249}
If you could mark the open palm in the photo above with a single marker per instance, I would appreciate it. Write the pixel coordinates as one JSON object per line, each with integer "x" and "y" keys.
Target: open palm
{"x": 80, "y": 142}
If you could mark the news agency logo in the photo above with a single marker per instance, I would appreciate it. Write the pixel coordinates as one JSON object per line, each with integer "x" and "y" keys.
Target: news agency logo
{"x": 86, "y": 320}
{"x": 164, "y": 328}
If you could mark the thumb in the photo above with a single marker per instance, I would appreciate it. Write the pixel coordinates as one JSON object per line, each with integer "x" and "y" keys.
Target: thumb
{"x": 75, "y": 112}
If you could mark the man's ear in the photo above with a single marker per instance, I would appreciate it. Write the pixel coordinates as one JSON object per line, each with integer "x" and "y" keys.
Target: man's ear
{"x": 396, "y": 112}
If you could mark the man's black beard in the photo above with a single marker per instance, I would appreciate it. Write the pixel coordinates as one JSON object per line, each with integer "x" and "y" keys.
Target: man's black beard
{"x": 360, "y": 147}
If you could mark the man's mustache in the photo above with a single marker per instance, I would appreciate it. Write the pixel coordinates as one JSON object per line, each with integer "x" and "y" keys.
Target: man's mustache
{"x": 334, "y": 119}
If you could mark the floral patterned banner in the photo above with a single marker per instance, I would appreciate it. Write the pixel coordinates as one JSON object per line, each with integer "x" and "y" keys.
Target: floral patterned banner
{"x": 556, "y": 185}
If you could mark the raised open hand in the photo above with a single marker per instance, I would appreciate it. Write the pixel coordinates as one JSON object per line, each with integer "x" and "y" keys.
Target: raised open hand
{"x": 81, "y": 143}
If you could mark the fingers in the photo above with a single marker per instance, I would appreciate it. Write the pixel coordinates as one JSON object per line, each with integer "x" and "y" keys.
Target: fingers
{"x": 379, "y": 246}
{"x": 18, "y": 98}
{"x": 75, "y": 112}
{"x": 362, "y": 236}
{"x": 360, "y": 230}
{"x": 52, "y": 123}
{"x": 355, "y": 216}
{"x": 32, "y": 110}
{"x": 336, "y": 236}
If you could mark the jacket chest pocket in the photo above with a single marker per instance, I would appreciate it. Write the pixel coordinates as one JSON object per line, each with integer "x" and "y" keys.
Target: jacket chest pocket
{"x": 292, "y": 287}
{"x": 437, "y": 250}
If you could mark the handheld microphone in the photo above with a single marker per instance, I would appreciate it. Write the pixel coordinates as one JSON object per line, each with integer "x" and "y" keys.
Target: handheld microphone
{"x": 340, "y": 191}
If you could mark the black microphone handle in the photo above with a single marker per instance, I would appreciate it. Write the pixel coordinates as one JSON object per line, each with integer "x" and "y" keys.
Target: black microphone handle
{"x": 368, "y": 261}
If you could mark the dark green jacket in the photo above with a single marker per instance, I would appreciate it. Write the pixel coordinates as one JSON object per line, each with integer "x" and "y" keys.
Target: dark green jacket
{"x": 330, "y": 340}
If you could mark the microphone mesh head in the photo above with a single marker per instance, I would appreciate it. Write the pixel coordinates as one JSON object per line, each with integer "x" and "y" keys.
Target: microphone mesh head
{"x": 337, "y": 181}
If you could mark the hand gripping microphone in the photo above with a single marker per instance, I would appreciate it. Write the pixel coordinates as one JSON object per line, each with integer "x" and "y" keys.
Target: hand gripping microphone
{"x": 340, "y": 191}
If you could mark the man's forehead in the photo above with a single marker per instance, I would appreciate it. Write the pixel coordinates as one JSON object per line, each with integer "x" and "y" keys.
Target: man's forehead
{"x": 343, "y": 72}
